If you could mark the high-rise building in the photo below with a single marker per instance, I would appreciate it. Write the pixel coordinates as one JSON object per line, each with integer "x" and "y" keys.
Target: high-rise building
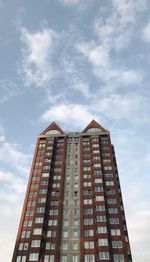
{"x": 73, "y": 209}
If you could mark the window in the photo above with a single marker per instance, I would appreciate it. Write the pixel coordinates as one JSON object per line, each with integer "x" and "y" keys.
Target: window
{"x": 105, "y": 161}
{"x": 102, "y": 230}
{"x": 75, "y": 246}
{"x": 74, "y": 258}
{"x": 46, "y": 167}
{"x": 35, "y": 243}
{"x": 75, "y": 233}
{"x": 118, "y": 257}
{"x": 107, "y": 168}
{"x": 89, "y": 244}
{"x": 49, "y": 258}
{"x": 113, "y": 220}
{"x": 39, "y": 220}
{"x": 111, "y": 200}
{"x": 117, "y": 244}
{"x": 53, "y": 212}
{"x": 97, "y": 165}
{"x": 40, "y": 210}
{"x": 51, "y": 233}
{"x": 103, "y": 242}
{"x": 37, "y": 231}
{"x": 27, "y": 223}
{"x": 34, "y": 257}
{"x": 87, "y": 184}
{"x": 52, "y": 222}
{"x": 64, "y": 246}
{"x": 88, "y": 221}
{"x": 95, "y": 151}
{"x": 97, "y": 172}
{"x": 110, "y": 191}
{"x": 104, "y": 255}
{"x": 75, "y": 223}
{"x": 87, "y": 192}
{"x": 21, "y": 259}
{"x": 115, "y": 232}
{"x": 56, "y": 185}
{"x": 25, "y": 234}
{"x": 98, "y": 180}
{"x": 50, "y": 245}
{"x": 87, "y": 201}
{"x": 109, "y": 183}
{"x": 66, "y": 223}
{"x": 43, "y": 191}
{"x": 45, "y": 175}
{"x": 108, "y": 175}
{"x": 89, "y": 258}
{"x": 75, "y": 212}
{"x": 101, "y": 218}
{"x": 86, "y": 168}
{"x": 112, "y": 210}
{"x": 64, "y": 258}
{"x": 44, "y": 182}
{"x": 99, "y": 189}
{"x": 95, "y": 145}
{"x": 23, "y": 246}
{"x": 100, "y": 208}
{"x": 88, "y": 211}
{"x": 89, "y": 233}
{"x": 99, "y": 198}
{"x": 96, "y": 158}
{"x": 65, "y": 234}
{"x": 42, "y": 200}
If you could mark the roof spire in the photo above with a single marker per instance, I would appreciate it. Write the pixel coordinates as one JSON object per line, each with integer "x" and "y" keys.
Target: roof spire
{"x": 94, "y": 125}
{"x": 52, "y": 126}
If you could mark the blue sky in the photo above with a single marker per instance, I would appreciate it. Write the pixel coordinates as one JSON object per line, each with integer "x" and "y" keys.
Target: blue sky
{"x": 71, "y": 61}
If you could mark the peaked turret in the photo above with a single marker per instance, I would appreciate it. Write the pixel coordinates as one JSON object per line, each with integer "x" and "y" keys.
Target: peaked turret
{"x": 53, "y": 128}
{"x": 94, "y": 126}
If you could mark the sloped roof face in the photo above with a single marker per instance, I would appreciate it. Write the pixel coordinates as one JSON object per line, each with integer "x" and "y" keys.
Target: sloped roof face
{"x": 94, "y": 125}
{"x": 53, "y": 128}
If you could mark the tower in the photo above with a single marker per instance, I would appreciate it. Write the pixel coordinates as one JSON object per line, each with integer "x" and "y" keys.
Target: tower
{"x": 73, "y": 209}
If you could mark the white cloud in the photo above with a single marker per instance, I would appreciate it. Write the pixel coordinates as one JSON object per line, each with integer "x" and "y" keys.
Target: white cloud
{"x": 114, "y": 34}
{"x": 139, "y": 228}
{"x": 36, "y": 66}
{"x": 74, "y": 79}
{"x": 70, "y": 2}
{"x": 12, "y": 189}
{"x": 15, "y": 157}
{"x": 146, "y": 33}
{"x": 127, "y": 10}
{"x": 106, "y": 68}
{"x": 77, "y": 115}
{"x": 97, "y": 54}
{"x": 120, "y": 107}
{"x": 14, "y": 171}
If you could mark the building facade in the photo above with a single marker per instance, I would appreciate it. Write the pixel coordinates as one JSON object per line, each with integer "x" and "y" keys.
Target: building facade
{"x": 73, "y": 209}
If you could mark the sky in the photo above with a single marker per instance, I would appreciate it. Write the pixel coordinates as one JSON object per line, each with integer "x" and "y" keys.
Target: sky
{"x": 70, "y": 61}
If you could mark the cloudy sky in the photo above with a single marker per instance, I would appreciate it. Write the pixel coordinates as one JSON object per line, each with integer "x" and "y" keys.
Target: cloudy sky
{"x": 71, "y": 61}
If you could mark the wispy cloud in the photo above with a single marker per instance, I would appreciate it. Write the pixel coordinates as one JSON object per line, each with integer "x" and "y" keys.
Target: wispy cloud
{"x": 69, "y": 2}
{"x": 114, "y": 34}
{"x": 14, "y": 171}
{"x": 36, "y": 56}
{"x": 9, "y": 90}
{"x": 15, "y": 157}
{"x": 146, "y": 33}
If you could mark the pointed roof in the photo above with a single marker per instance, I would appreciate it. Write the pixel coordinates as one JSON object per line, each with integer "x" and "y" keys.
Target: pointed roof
{"x": 94, "y": 124}
{"x": 52, "y": 126}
